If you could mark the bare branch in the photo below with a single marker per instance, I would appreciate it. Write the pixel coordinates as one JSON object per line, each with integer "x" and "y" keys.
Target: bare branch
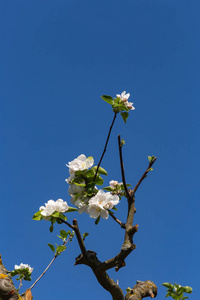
{"x": 55, "y": 256}
{"x": 141, "y": 290}
{"x": 104, "y": 280}
{"x": 79, "y": 237}
{"x": 122, "y": 166}
{"x": 105, "y": 146}
{"x": 117, "y": 220}
{"x": 144, "y": 175}
{"x": 78, "y": 234}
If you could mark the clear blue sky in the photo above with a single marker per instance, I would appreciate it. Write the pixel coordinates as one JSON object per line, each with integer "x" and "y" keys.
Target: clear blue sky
{"x": 57, "y": 59}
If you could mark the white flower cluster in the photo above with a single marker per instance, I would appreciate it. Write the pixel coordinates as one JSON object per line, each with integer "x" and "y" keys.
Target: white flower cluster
{"x": 114, "y": 183}
{"x": 95, "y": 206}
{"x": 23, "y": 266}
{"x": 124, "y": 98}
{"x": 51, "y": 206}
{"x": 116, "y": 187}
{"x": 79, "y": 164}
{"x": 100, "y": 203}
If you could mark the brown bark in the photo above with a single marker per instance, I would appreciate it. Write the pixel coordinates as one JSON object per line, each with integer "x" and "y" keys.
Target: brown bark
{"x": 141, "y": 290}
{"x": 7, "y": 288}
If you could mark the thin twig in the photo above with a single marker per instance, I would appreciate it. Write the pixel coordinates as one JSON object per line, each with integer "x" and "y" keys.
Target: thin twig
{"x": 144, "y": 175}
{"x": 117, "y": 220}
{"x": 122, "y": 167}
{"x": 78, "y": 235}
{"x": 20, "y": 284}
{"x": 49, "y": 265}
{"x": 67, "y": 223}
{"x": 105, "y": 146}
{"x": 79, "y": 238}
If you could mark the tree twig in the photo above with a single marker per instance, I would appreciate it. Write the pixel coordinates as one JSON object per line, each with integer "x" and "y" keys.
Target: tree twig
{"x": 144, "y": 175}
{"x": 78, "y": 235}
{"x": 49, "y": 265}
{"x": 105, "y": 146}
{"x": 122, "y": 167}
{"x": 117, "y": 220}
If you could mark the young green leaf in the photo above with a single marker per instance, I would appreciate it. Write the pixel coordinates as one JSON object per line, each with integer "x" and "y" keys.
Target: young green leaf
{"x": 37, "y": 216}
{"x": 107, "y": 99}
{"x": 63, "y": 234}
{"x": 124, "y": 115}
{"x": 151, "y": 158}
{"x": 85, "y": 234}
{"x": 71, "y": 209}
{"x": 60, "y": 249}
{"x": 97, "y": 220}
{"x": 108, "y": 188}
{"x": 51, "y": 227}
{"x": 122, "y": 142}
{"x": 51, "y": 247}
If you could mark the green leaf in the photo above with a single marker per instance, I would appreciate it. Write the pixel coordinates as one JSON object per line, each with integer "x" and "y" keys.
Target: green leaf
{"x": 128, "y": 289}
{"x": 79, "y": 184}
{"x": 187, "y": 289}
{"x": 108, "y": 188}
{"x": 85, "y": 234}
{"x": 37, "y": 216}
{"x": 100, "y": 170}
{"x": 122, "y": 142}
{"x": 114, "y": 208}
{"x": 71, "y": 209}
{"x": 51, "y": 247}
{"x": 51, "y": 227}
{"x": 99, "y": 180}
{"x": 107, "y": 99}
{"x": 151, "y": 158}
{"x": 97, "y": 220}
{"x": 124, "y": 115}
{"x": 63, "y": 234}
{"x": 60, "y": 249}
{"x": 122, "y": 186}
{"x": 168, "y": 285}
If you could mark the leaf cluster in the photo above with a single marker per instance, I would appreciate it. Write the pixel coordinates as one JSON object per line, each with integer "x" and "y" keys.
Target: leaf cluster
{"x": 63, "y": 236}
{"x": 23, "y": 274}
{"x": 117, "y": 106}
{"x": 88, "y": 180}
{"x": 177, "y": 291}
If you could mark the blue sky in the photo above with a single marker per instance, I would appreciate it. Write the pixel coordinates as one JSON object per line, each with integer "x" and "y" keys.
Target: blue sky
{"x": 57, "y": 59}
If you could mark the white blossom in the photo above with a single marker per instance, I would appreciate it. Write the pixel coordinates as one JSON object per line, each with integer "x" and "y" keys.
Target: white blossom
{"x": 129, "y": 105}
{"x": 70, "y": 178}
{"x": 51, "y": 206}
{"x": 82, "y": 206}
{"x": 98, "y": 205}
{"x": 23, "y": 266}
{"x": 124, "y": 97}
{"x": 80, "y": 163}
{"x": 114, "y": 183}
{"x": 75, "y": 189}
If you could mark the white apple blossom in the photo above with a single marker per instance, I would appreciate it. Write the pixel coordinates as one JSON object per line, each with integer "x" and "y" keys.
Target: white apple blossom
{"x": 23, "y": 266}
{"x": 51, "y": 206}
{"x": 70, "y": 178}
{"x": 80, "y": 163}
{"x": 75, "y": 189}
{"x": 129, "y": 105}
{"x": 98, "y": 205}
{"x": 114, "y": 183}
{"x": 124, "y": 97}
{"x": 81, "y": 204}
